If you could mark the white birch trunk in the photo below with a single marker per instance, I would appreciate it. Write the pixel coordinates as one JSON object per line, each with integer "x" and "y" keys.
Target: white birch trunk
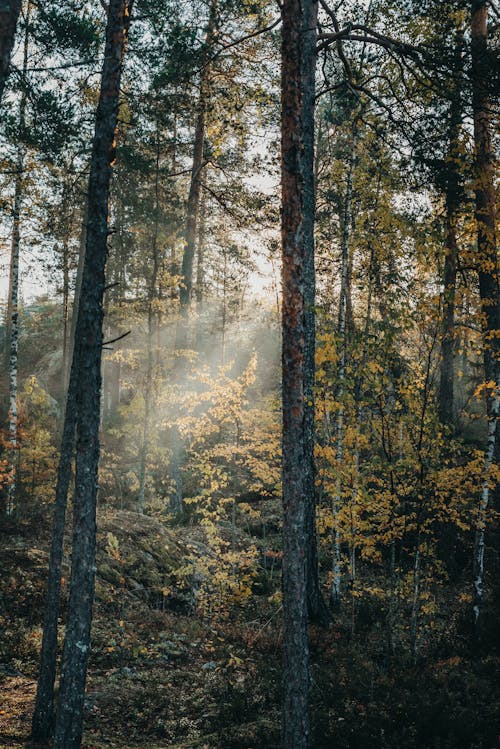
{"x": 13, "y": 302}
{"x": 479, "y": 542}
{"x": 14, "y": 333}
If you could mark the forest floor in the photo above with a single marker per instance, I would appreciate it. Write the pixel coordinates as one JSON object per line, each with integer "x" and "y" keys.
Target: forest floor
{"x": 162, "y": 678}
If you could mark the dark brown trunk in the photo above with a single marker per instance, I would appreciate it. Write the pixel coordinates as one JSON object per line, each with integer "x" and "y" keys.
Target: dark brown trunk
{"x": 192, "y": 210}
{"x": 193, "y": 204}
{"x": 446, "y": 383}
{"x": 485, "y": 192}
{"x": 42, "y": 725}
{"x": 446, "y": 398}
{"x": 200, "y": 259}
{"x": 152, "y": 295}
{"x": 43, "y": 721}
{"x": 317, "y": 608}
{"x": 87, "y": 363}
{"x": 297, "y": 92}
{"x": 487, "y": 265}
{"x": 9, "y": 15}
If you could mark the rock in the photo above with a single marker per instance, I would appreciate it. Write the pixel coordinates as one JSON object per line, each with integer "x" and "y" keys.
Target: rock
{"x": 209, "y": 666}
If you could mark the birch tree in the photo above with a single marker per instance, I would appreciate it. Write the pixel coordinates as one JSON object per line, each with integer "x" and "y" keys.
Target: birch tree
{"x": 487, "y": 265}
{"x": 13, "y": 296}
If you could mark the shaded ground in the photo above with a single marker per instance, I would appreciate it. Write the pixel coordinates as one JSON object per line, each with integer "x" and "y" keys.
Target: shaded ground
{"x": 162, "y": 678}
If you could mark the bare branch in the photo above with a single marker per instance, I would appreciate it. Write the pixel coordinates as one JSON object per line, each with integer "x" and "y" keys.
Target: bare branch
{"x": 118, "y": 338}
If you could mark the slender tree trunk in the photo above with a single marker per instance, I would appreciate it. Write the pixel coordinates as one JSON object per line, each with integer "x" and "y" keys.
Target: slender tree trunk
{"x": 200, "y": 257}
{"x": 193, "y": 209}
{"x": 13, "y": 332}
{"x": 9, "y": 15}
{"x": 446, "y": 399}
{"x": 298, "y": 52}
{"x": 43, "y": 721}
{"x": 446, "y": 384}
{"x": 193, "y": 204}
{"x": 65, "y": 311}
{"x": 87, "y": 362}
{"x": 68, "y": 219}
{"x": 479, "y": 540}
{"x": 342, "y": 336}
{"x": 488, "y": 273}
{"x": 13, "y": 301}
{"x": 415, "y": 607}
{"x": 78, "y": 285}
{"x": 317, "y": 608}
{"x": 358, "y": 398}
{"x": 200, "y": 272}
{"x": 148, "y": 384}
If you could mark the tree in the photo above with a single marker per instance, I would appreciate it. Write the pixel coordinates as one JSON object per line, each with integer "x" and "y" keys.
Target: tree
{"x": 487, "y": 266}
{"x": 12, "y": 338}
{"x": 193, "y": 203}
{"x": 9, "y": 15}
{"x": 452, "y": 178}
{"x": 297, "y": 139}
{"x": 85, "y": 386}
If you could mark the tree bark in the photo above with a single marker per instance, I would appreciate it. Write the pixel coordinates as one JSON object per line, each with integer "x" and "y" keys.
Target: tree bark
{"x": 200, "y": 257}
{"x": 192, "y": 209}
{"x": 150, "y": 331}
{"x": 9, "y": 15}
{"x": 446, "y": 398}
{"x": 298, "y": 54}
{"x": 342, "y": 335}
{"x": 12, "y": 338}
{"x": 42, "y": 725}
{"x": 87, "y": 362}
{"x": 317, "y": 608}
{"x": 193, "y": 204}
{"x": 487, "y": 264}
{"x": 13, "y": 331}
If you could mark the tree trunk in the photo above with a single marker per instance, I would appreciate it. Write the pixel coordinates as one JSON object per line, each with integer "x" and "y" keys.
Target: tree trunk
{"x": 87, "y": 362}
{"x": 13, "y": 332}
{"x": 200, "y": 258}
{"x": 42, "y": 725}
{"x": 487, "y": 263}
{"x": 9, "y": 14}
{"x": 12, "y": 338}
{"x": 193, "y": 204}
{"x": 192, "y": 209}
{"x": 297, "y": 92}
{"x": 317, "y": 608}
{"x": 43, "y": 721}
{"x": 446, "y": 405}
{"x": 150, "y": 331}
{"x": 78, "y": 285}
{"x": 342, "y": 335}
{"x": 446, "y": 398}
